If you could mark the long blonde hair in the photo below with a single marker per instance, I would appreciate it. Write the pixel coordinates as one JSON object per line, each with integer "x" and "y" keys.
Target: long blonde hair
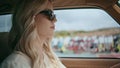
{"x": 24, "y": 36}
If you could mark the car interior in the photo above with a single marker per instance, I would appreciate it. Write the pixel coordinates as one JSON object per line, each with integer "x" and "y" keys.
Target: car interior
{"x": 112, "y": 7}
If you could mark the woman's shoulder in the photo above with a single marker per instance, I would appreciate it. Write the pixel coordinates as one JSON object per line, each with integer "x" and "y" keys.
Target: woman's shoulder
{"x": 17, "y": 60}
{"x": 18, "y": 56}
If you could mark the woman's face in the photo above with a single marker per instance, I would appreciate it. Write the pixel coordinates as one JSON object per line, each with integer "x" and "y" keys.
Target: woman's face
{"x": 46, "y": 22}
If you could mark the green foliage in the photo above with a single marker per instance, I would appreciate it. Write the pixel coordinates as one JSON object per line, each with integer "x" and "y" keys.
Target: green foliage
{"x": 67, "y": 33}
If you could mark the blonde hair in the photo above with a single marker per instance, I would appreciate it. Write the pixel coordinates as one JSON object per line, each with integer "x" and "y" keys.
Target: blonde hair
{"x": 24, "y": 35}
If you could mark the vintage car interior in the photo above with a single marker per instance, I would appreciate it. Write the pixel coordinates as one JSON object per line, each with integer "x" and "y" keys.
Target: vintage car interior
{"x": 112, "y": 7}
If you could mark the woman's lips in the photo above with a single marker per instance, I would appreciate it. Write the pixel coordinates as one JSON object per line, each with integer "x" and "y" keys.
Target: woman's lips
{"x": 52, "y": 27}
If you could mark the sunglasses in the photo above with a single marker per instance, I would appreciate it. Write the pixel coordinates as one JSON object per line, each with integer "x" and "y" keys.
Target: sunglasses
{"x": 49, "y": 13}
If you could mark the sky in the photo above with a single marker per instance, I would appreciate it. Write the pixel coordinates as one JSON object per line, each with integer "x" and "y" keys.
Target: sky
{"x": 73, "y": 19}
{"x": 83, "y": 19}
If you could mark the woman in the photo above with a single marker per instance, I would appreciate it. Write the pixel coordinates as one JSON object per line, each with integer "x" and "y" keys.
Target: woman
{"x": 30, "y": 36}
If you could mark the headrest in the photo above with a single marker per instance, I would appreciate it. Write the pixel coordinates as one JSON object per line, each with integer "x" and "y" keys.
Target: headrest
{"x": 4, "y": 48}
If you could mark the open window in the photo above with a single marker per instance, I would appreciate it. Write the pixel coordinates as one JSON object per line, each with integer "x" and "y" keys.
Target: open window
{"x": 86, "y": 33}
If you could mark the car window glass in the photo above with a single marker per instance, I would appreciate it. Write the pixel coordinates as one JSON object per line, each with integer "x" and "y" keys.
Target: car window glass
{"x": 5, "y": 23}
{"x": 86, "y": 33}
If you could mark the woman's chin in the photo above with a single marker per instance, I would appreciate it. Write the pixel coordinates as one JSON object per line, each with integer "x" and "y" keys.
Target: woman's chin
{"x": 50, "y": 36}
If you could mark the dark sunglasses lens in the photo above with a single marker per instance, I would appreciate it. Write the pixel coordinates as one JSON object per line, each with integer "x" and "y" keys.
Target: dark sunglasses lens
{"x": 49, "y": 14}
{"x": 52, "y": 17}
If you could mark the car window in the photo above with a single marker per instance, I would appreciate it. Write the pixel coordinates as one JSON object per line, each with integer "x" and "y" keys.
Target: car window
{"x": 5, "y": 23}
{"x": 85, "y": 33}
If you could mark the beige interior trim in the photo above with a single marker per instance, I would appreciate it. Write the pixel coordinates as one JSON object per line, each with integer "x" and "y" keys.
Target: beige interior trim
{"x": 117, "y": 8}
{"x": 89, "y": 63}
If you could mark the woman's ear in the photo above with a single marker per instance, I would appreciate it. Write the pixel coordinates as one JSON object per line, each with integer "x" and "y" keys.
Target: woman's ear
{"x": 34, "y": 18}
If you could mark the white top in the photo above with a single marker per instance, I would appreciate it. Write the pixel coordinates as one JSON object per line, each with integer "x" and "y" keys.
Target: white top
{"x": 19, "y": 60}
{"x": 16, "y": 60}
